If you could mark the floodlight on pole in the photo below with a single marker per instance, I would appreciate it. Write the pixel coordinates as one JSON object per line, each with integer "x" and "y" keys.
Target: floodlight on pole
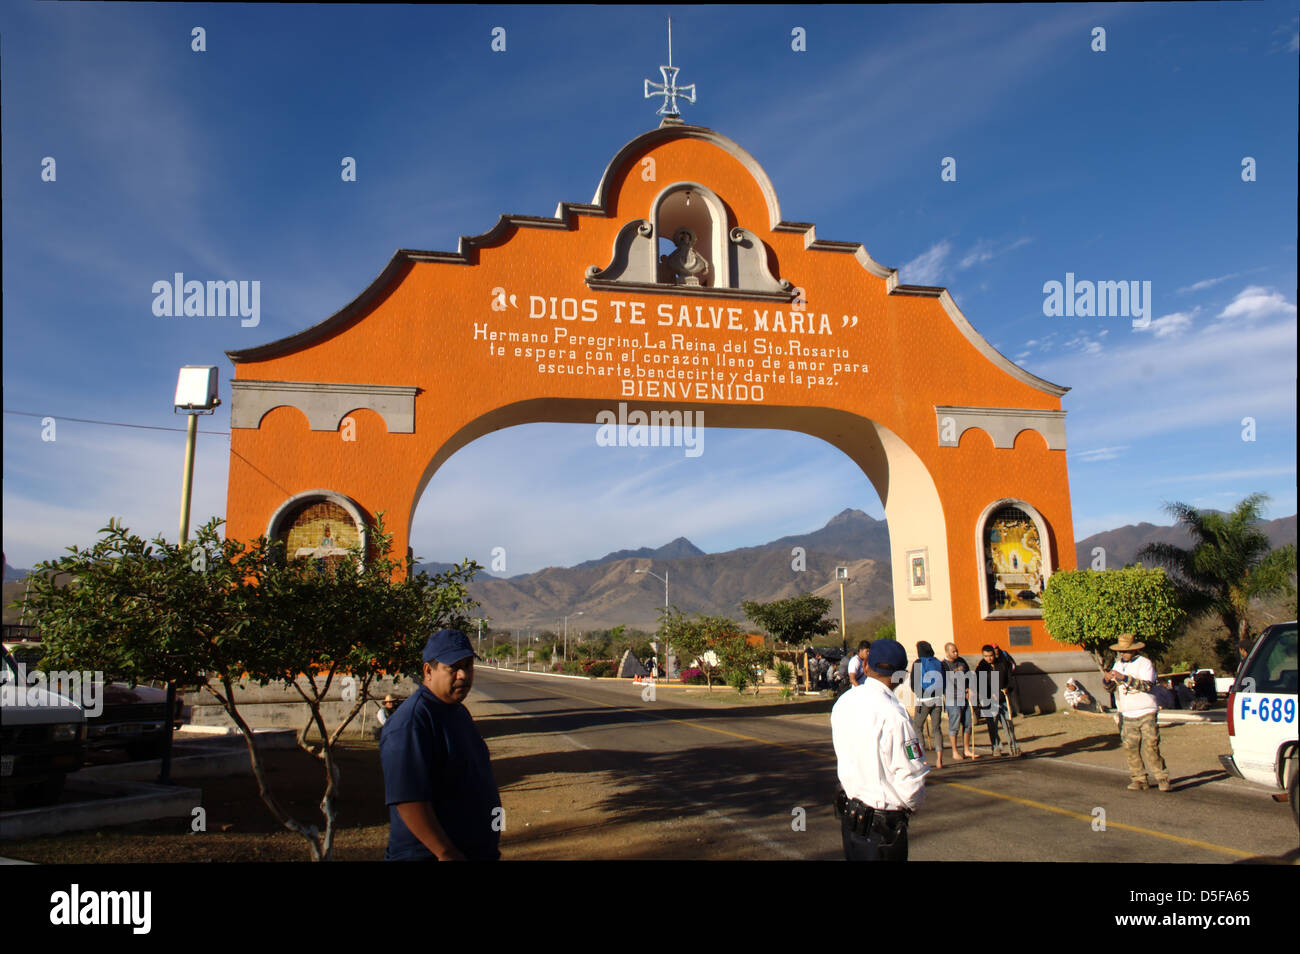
{"x": 842, "y": 575}
{"x": 196, "y": 393}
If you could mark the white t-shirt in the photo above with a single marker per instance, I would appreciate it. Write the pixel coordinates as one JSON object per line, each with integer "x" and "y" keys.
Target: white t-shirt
{"x": 855, "y": 665}
{"x": 880, "y": 759}
{"x": 1131, "y": 702}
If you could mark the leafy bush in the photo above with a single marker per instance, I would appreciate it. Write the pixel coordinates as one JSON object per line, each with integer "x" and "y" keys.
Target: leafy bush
{"x": 738, "y": 679}
{"x": 693, "y": 677}
{"x": 784, "y": 674}
{"x": 1091, "y": 608}
{"x": 599, "y": 667}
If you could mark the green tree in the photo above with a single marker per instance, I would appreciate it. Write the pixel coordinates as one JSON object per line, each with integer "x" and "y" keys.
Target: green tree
{"x": 207, "y": 612}
{"x": 886, "y": 631}
{"x": 796, "y": 621}
{"x": 1091, "y": 609}
{"x": 695, "y": 638}
{"x": 741, "y": 662}
{"x": 594, "y": 646}
{"x": 1229, "y": 564}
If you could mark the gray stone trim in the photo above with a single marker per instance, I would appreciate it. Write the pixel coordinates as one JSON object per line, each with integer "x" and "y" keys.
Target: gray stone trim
{"x": 651, "y": 288}
{"x": 664, "y": 134}
{"x": 633, "y": 259}
{"x": 324, "y": 404}
{"x": 1003, "y": 424}
{"x": 749, "y": 266}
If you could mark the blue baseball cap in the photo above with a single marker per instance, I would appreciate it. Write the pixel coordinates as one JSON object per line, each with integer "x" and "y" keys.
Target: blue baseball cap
{"x": 887, "y": 656}
{"x": 448, "y": 646}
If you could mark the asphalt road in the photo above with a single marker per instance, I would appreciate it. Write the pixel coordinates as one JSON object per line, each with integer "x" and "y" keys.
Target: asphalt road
{"x": 743, "y": 774}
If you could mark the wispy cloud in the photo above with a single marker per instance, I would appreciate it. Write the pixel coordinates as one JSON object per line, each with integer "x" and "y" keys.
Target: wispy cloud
{"x": 1100, "y": 453}
{"x": 1168, "y": 326}
{"x": 1149, "y": 386}
{"x": 1207, "y": 283}
{"x": 927, "y": 267}
{"x": 1252, "y": 304}
{"x": 985, "y": 251}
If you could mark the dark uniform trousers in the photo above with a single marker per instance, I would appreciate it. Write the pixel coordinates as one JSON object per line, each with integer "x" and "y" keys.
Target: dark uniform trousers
{"x": 870, "y": 835}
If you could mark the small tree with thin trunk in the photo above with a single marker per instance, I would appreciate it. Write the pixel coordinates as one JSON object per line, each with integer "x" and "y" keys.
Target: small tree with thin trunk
{"x": 211, "y": 612}
{"x": 694, "y": 638}
{"x": 796, "y": 621}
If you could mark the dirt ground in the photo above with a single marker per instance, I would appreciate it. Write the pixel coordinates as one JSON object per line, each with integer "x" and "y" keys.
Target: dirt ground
{"x": 560, "y": 809}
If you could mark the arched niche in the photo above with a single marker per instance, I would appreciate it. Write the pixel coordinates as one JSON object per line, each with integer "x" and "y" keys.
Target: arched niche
{"x": 692, "y": 207}
{"x": 1013, "y": 547}
{"x": 321, "y": 521}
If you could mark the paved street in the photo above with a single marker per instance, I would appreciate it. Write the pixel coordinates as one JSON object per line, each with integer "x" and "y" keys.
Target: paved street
{"x": 632, "y": 778}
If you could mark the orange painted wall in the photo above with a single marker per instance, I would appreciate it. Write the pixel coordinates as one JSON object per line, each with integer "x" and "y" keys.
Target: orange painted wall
{"x": 420, "y": 332}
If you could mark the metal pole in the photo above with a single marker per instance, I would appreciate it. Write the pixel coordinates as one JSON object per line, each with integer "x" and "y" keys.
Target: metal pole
{"x": 844, "y": 632}
{"x": 667, "y": 649}
{"x": 191, "y": 433}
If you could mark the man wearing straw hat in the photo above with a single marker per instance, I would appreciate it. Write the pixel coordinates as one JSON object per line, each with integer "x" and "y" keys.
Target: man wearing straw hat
{"x": 1133, "y": 680}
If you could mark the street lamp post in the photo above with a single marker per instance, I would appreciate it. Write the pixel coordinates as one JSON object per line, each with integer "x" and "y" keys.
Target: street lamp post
{"x": 196, "y": 393}
{"x": 667, "y": 666}
{"x": 566, "y": 634}
{"x": 842, "y": 575}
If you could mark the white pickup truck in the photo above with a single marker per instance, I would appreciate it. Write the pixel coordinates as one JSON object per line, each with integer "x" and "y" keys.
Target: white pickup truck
{"x": 42, "y": 739}
{"x": 1262, "y": 715}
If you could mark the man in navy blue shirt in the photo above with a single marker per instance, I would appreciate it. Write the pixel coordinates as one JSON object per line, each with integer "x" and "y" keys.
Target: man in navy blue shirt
{"x": 442, "y": 800}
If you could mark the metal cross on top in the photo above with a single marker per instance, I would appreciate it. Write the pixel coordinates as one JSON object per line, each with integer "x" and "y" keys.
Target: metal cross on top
{"x": 669, "y": 89}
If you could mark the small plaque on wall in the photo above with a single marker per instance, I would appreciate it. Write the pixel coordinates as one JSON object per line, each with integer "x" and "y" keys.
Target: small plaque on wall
{"x": 1020, "y": 636}
{"x": 918, "y": 574}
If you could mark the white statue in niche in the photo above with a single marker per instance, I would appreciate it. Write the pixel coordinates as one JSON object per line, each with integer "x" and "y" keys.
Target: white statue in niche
{"x": 687, "y": 265}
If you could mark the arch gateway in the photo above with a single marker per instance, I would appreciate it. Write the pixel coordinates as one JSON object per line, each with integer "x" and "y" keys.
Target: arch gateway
{"x": 678, "y": 288}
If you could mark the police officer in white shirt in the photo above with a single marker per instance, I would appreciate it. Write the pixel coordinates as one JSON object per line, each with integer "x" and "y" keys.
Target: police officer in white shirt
{"x": 1133, "y": 679}
{"x": 882, "y": 766}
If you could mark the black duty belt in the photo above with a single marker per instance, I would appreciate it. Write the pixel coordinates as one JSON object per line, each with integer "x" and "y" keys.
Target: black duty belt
{"x": 862, "y": 818}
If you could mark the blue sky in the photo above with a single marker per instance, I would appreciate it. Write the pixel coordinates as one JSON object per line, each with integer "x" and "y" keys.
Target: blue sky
{"x": 1116, "y": 165}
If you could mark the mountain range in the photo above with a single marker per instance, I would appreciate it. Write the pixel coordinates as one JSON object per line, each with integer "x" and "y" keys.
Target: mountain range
{"x": 609, "y": 590}
{"x": 604, "y": 592}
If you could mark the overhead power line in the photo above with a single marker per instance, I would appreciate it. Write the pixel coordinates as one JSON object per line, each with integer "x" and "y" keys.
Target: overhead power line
{"x": 85, "y": 420}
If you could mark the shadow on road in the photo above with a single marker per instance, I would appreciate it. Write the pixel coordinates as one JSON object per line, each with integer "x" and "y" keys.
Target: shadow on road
{"x": 1197, "y": 780}
{"x": 1107, "y": 742}
{"x": 727, "y": 791}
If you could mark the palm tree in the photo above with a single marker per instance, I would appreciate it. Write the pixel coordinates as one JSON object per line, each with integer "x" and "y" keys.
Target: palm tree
{"x": 1229, "y": 564}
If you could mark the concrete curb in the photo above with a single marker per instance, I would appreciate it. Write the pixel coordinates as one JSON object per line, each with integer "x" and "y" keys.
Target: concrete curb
{"x": 553, "y": 675}
{"x": 118, "y": 803}
{"x": 622, "y": 680}
{"x": 215, "y": 755}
